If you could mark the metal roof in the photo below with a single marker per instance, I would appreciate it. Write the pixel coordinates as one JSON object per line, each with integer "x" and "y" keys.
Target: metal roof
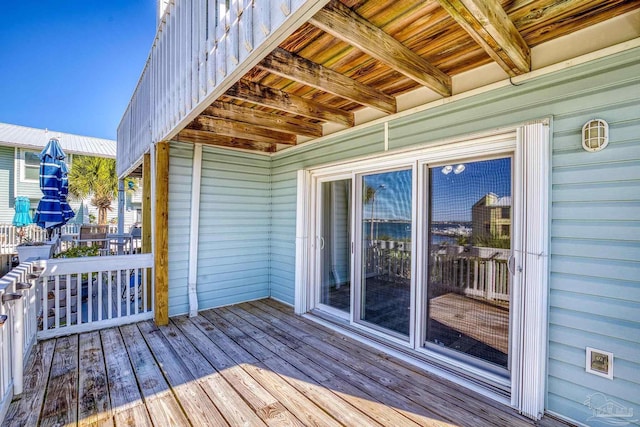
{"x": 26, "y": 137}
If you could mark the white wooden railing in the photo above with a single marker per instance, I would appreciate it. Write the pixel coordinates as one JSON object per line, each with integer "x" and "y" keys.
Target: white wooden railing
{"x": 82, "y": 294}
{"x": 17, "y": 328}
{"x": 11, "y": 236}
{"x": 49, "y": 298}
{"x": 201, "y": 47}
{"x": 479, "y": 272}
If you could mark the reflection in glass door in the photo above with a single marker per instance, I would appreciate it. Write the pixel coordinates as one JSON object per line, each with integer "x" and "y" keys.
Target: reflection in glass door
{"x": 468, "y": 290}
{"x": 385, "y": 288}
{"x": 335, "y": 244}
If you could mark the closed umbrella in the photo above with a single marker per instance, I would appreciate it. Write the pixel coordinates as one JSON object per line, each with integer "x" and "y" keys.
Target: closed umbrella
{"x": 50, "y": 211}
{"x": 67, "y": 212}
{"x": 22, "y": 217}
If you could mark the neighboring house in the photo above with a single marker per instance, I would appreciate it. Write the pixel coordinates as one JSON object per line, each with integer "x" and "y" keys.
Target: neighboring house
{"x": 491, "y": 217}
{"x": 20, "y": 167}
{"x": 244, "y": 129}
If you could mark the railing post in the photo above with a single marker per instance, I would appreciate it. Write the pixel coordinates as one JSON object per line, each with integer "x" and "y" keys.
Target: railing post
{"x": 18, "y": 340}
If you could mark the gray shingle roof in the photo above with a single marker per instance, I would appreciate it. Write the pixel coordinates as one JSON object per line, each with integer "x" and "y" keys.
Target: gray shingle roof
{"x": 21, "y": 136}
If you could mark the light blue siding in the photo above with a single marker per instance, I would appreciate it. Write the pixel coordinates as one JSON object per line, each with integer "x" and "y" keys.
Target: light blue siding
{"x": 7, "y": 177}
{"x": 594, "y": 296}
{"x": 234, "y": 244}
{"x": 180, "y": 176}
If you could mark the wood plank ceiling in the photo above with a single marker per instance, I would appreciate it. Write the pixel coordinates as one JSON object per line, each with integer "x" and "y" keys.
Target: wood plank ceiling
{"x": 364, "y": 53}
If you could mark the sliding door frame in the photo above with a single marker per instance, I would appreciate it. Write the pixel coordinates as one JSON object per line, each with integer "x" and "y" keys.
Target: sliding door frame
{"x": 528, "y": 145}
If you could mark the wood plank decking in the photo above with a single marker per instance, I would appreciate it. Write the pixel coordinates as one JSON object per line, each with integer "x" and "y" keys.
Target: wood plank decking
{"x": 252, "y": 364}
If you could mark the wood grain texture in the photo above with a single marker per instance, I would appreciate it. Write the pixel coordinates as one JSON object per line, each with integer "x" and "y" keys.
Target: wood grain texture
{"x": 93, "y": 393}
{"x": 242, "y": 130}
{"x": 296, "y": 68}
{"x": 63, "y": 383}
{"x": 161, "y": 233}
{"x": 488, "y": 24}
{"x": 196, "y": 404}
{"x": 162, "y": 405}
{"x": 211, "y": 138}
{"x": 266, "y": 96}
{"x": 230, "y": 403}
{"x": 264, "y": 119}
{"x": 342, "y": 23}
{"x": 25, "y": 410}
{"x": 251, "y": 364}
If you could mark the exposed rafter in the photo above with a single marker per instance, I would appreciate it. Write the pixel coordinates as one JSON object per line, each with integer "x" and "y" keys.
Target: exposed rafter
{"x": 293, "y": 67}
{"x": 277, "y": 122}
{"x": 255, "y": 93}
{"x": 488, "y": 24}
{"x": 241, "y": 130}
{"x": 210, "y": 138}
{"x": 341, "y": 22}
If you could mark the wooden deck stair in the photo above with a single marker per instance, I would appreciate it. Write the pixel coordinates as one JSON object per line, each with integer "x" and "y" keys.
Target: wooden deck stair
{"x": 251, "y": 364}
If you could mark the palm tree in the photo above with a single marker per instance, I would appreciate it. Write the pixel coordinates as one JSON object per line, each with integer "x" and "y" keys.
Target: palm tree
{"x": 96, "y": 176}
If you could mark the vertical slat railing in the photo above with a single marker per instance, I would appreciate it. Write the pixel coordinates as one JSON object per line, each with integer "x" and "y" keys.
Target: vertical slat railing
{"x": 199, "y": 44}
{"x": 80, "y": 295}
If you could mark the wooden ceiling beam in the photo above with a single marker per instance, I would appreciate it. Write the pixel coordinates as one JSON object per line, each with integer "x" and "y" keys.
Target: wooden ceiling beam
{"x": 277, "y": 122}
{"x": 245, "y": 90}
{"x": 344, "y": 24}
{"x": 296, "y": 68}
{"x": 241, "y": 130}
{"x": 209, "y": 138}
{"x": 488, "y": 24}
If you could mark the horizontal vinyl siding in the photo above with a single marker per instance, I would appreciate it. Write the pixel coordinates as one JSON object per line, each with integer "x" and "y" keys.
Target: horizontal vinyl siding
{"x": 594, "y": 295}
{"x": 6, "y": 185}
{"x": 180, "y": 177}
{"x": 234, "y": 244}
{"x": 283, "y": 225}
{"x": 595, "y": 247}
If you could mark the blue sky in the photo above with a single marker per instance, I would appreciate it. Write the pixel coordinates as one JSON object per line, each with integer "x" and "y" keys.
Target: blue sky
{"x": 452, "y": 194}
{"x": 72, "y": 65}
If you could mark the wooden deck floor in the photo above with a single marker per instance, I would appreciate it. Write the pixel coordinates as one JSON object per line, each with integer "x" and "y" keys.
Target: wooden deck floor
{"x": 252, "y": 364}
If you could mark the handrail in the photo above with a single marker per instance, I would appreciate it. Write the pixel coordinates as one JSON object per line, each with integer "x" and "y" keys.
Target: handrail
{"x": 80, "y": 294}
{"x": 11, "y": 236}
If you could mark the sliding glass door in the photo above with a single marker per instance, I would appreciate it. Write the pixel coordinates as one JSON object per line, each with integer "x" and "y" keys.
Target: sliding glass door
{"x": 385, "y": 251}
{"x": 463, "y": 292}
{"x": 334, "y": 235}
{"x": 469, "y": 227}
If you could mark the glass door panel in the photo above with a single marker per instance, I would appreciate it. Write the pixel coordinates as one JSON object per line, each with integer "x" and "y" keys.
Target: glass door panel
{"x": 335, "y": 244}
{"x": 385, "y": 289}
{"x": 468, "y": 290}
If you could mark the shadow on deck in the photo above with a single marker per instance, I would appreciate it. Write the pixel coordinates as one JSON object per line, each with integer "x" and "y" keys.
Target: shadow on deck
{"x": 251, "y": 364}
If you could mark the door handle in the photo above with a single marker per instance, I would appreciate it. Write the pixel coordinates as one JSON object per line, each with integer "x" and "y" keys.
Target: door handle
{"x": 321, "y": 242}
{"x": 511, "y": 263}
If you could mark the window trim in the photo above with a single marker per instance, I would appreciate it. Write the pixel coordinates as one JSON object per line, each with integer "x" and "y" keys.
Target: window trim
{"x": 23, "y": 165}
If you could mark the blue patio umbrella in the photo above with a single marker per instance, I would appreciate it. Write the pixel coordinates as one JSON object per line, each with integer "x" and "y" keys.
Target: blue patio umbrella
{"x": 67, "y": 212}
{"x": 50, "y": 211}
{"x": 22, "y": 216}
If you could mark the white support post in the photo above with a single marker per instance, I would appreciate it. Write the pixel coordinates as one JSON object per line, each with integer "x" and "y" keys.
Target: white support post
{"x": 194, "y": 230}
{"x": 121, "y": 210}
{"x": 302, "y": 242}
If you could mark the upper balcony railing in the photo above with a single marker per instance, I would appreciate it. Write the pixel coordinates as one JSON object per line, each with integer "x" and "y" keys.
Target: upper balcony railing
{"x": 200, "y": 49}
